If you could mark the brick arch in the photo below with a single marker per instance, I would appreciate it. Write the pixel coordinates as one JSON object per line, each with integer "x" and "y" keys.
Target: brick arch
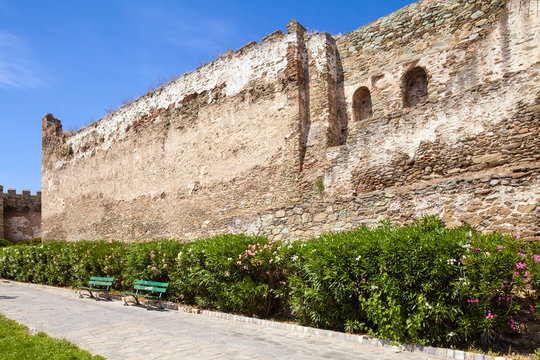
{"x": 415, "y": 87}
{"x": 362, "y": 107}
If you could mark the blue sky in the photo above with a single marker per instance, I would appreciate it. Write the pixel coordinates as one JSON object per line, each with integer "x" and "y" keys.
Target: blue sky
{"x": 76, "y": 59}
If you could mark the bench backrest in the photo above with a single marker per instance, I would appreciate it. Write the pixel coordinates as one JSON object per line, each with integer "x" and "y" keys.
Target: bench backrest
{"x": 151, "y": 286}
{"x": 94, "y": 280}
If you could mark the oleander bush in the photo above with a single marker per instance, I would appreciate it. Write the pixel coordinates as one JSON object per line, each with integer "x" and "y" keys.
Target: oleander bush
{"x": 421, "y": 283}
{"x": 232, "y": 273}
{"x": 4, "y": 242}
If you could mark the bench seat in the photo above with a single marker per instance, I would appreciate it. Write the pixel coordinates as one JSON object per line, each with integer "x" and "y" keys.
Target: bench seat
{"x": 148, "y": 290}
{"x": 97, "y": 285}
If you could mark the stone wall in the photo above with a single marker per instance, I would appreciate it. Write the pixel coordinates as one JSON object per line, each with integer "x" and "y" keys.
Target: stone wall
{"x": 20, "y": 215}
{"x": 164, "y": 164}
{"x": 266, "y": 139}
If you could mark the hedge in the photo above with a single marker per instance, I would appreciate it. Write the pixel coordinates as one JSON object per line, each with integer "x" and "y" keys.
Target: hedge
{"x": 422, "y": 283}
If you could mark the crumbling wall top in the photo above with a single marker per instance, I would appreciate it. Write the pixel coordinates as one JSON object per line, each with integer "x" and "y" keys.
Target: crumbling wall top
{"x": 423, "y": 19}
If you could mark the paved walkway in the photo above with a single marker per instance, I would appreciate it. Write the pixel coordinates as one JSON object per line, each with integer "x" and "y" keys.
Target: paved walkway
{"x": 118, "y": 332}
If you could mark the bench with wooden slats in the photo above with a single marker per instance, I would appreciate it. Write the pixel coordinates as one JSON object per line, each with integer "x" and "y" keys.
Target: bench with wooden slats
{"x": 97, "y": 285}
{"x": 151, "y": 290}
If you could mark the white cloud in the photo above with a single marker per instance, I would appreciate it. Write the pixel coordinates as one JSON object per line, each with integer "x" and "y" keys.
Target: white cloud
{"x": 17, "y": 69}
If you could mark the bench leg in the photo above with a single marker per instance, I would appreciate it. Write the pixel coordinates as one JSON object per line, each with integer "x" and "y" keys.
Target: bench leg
{"x": 89, "y": 294}
{"x": 134, "y": 297}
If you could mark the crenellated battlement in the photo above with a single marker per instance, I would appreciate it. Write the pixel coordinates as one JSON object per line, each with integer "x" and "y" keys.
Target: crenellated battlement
{"x": 20, "y": 214}
{"x": 24, "y": 201}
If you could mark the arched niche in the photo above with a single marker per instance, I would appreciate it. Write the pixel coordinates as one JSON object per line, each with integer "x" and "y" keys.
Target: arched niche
{"x": 415, "y": 87}
{"x": 362, "y": 108}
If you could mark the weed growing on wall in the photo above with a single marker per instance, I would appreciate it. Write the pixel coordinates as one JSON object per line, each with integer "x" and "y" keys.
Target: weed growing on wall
{"x": 421, "y": 283}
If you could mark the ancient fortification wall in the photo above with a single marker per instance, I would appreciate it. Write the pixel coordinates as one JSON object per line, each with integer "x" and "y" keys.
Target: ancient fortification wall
{"x": 432, "y": 109}
{"x": 20, "y": 215}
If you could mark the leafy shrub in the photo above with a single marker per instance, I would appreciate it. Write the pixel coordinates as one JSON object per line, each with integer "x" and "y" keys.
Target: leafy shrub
{"x": 151, "y": 260}
{"x": 421, "y": 284}
{"x": 231, "y": 273}
{"x": 5, "y": 242}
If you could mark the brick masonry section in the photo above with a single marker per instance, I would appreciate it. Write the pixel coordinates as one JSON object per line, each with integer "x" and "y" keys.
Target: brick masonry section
{"x": 20, "y": 215}
{"x": 270, "y": 139}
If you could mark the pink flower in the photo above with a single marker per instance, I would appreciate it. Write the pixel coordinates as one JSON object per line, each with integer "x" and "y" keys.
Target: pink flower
{"x": 125, "y": 248}
{"x": 521, "y": 254}
{"x": 515, "y": 274}
{"x": 121, "y": 261}
{"x": 473, "y": 301}
{"x": 490, "y": 315}
{"x": 227, "y": 274}
{"x": 153, "y": 268}
{"x": 152, "y": 255}
{"x": 532, "y": 308}
{"x": 500, "y": 247}
{"x": 511, "y": 323}
{"x": 521, "y": 265}
{"x": 536, "y": 257}
{"x": 517, "y": 236}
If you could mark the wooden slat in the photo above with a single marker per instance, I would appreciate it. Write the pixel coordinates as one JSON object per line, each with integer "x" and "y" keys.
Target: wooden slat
{"x": 101, "y": 279}
{"x": 141, "y": 295}
{"x": 104, "y": 283}
{"x": 150, "y": 288}
{"x": 151, "y": 283}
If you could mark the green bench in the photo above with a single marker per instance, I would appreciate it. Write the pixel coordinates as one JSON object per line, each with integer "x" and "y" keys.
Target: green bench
{"x": 97, "y": 284}
{"x": 151, "y": 290}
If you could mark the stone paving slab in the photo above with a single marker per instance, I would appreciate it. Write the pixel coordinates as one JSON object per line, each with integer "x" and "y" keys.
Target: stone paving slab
{"x": 118, "y": 332}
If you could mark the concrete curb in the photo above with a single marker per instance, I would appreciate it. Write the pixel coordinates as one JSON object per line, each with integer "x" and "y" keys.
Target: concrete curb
{"x": 361, "y": 339}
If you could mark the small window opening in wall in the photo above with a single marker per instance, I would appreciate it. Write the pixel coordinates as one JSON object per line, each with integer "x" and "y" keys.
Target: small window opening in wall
{"x": 362, "y": 104}
{"x": 415, "y": 85}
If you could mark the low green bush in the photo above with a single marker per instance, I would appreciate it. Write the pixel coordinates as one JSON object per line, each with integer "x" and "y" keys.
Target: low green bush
{"x": 421, "y": 283}
{"x": 232, "y": 273}
{"x": 5, "y": 242}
